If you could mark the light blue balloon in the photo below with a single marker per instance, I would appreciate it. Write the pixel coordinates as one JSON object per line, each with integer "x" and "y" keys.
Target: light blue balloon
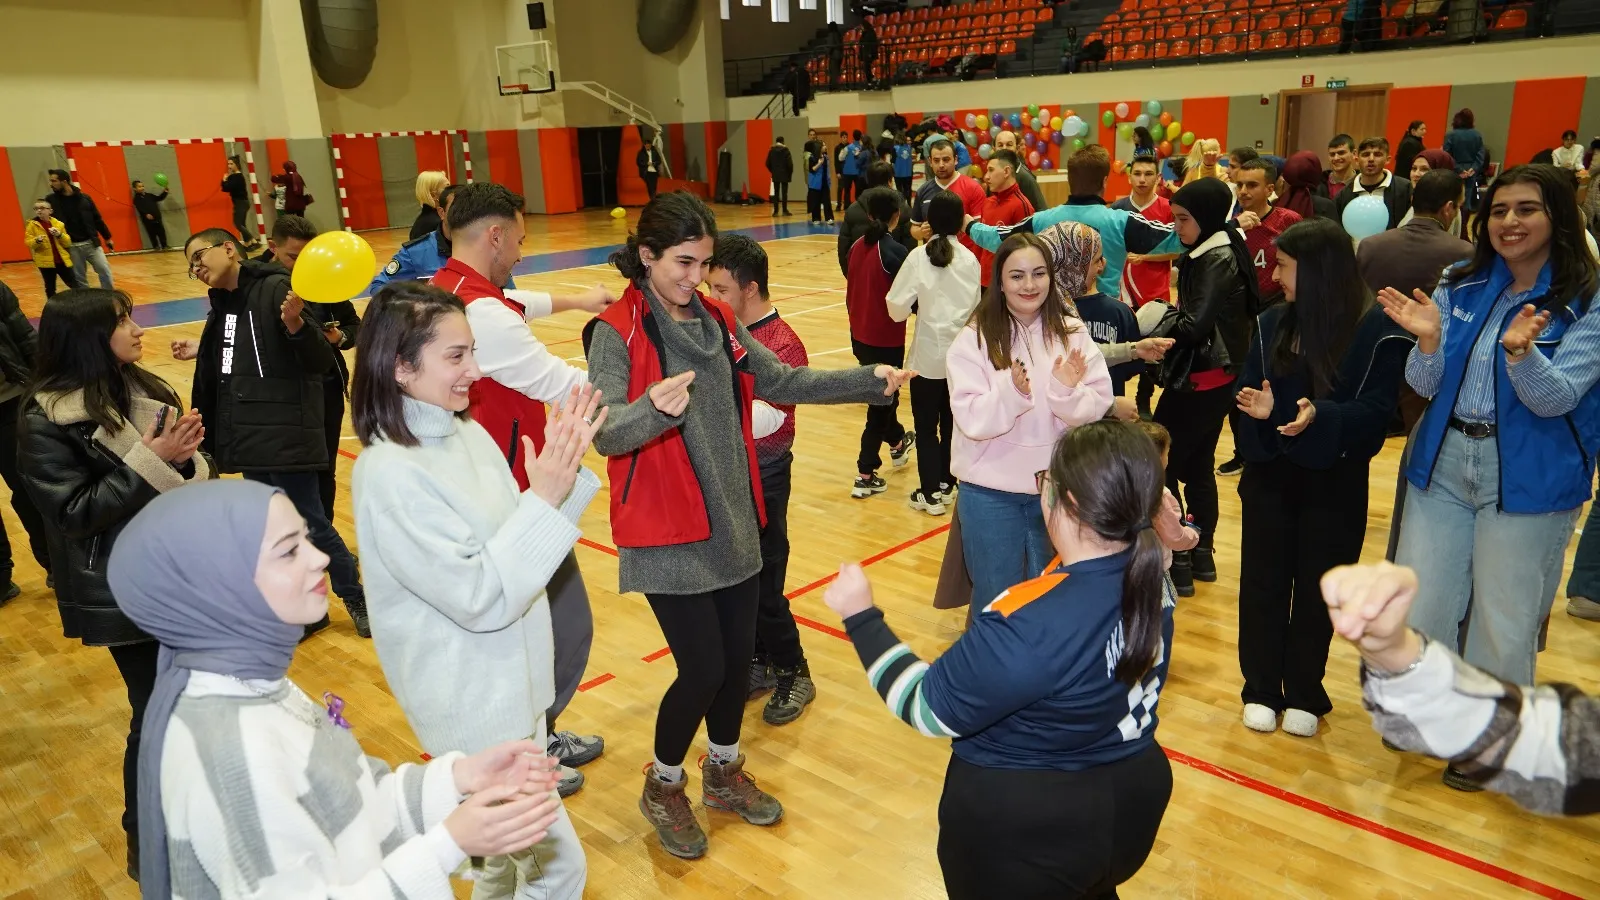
{"x": 1016, "y": 120}
{"x": 994, "y": 131}
{"x": 1143, "y": 121}
{"x": 985, "y": 151}
{"x": 1366, "y": 216}
{"x": 1153, "y": 108}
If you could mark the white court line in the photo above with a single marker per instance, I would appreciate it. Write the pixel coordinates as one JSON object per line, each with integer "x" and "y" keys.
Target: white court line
{"x": 796, "y": 287}
{"x": 801, "y": 312}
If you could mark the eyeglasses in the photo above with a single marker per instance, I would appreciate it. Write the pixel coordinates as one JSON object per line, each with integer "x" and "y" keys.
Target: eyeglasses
{"x": 1046, "y": 487}
{"x": 194, "y": 258}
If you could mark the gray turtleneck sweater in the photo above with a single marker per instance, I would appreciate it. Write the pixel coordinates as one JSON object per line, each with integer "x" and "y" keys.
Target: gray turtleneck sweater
{"x": 710, "y": 428}
{"x": 456, "y": 561}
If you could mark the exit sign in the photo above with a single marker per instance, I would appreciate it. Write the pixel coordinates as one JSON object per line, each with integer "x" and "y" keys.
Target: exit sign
{"x": 1336, "y": 83}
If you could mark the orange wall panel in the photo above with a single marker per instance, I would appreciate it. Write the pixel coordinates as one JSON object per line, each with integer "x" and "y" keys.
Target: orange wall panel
{"x": 1540, "y": 110}
{"x": 13, "y": 247}
{"x": 202, "y": 168}
{"x": 277, "y": 155}
{"x": 630, "y": 187}
{"x": 433, "y": 153}
{"x": 102, "y": 173}
{"x": 757, "y": 141}
{"x": 852, "y": 124}
{"x": 1207, "y": 117}
{"x": 505, "y": 159}
{"x": 363, "y": 183}
{"x": 557, "y": 155}
{"x": 1431, "y": 104}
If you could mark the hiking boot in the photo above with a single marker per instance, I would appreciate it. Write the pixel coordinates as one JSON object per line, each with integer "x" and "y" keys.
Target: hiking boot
{"x": 315, "y": 627}
{"x": 921, "y": 502}
{"x": 900, "y": 453}
{"x": 575, "y": 749}
{"x": 1182, "y": 573}
{"x": 1231, "y": 467}
{"x": 761, "y": 679}
{"x": 793, "y": 691}
{"x": 667, "y": 809}
{"x": 358, "y": 615}
{"x": 867, "y": 485}
{"x": 1455, "y": 778}
{"x": 568, "y": 781}
{"x": 12, "y": 593}
{"x": 727, "y": 787}
{"x": 1203, "y": 562}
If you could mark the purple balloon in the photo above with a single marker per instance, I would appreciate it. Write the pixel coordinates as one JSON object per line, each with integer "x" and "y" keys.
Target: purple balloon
{"x": 1047, "y": 164}
{"x": 1057, "y": 137}
{"x": 998, "y": 119}
{"x": 1029, "y": 139}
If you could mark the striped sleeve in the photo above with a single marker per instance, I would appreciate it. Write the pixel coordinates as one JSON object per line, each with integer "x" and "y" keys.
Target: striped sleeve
{"x": 895, "y": 672}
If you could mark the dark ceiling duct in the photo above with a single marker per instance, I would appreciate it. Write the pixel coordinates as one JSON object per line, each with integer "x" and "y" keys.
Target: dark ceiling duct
{"x": 663, "y": 23}
{"x": 342, "y": 36}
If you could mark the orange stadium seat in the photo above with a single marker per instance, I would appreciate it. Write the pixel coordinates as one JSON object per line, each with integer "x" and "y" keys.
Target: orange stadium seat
{"x": 1322, "y": 16}
{"x": 1046, "y": 14}
{"x": 1159, "y": 50}
{"x": 1182, "y": 48}
{"x": 1136, "y": 52}
{"x": 1328, "y": 36}
{"x": 1207, "y": 46}
{"x": 1229, "y": 44}
{"x": 1117, "y": 53}
{"x": 1008, "y": 47}
{"x": 1515, "y": 17}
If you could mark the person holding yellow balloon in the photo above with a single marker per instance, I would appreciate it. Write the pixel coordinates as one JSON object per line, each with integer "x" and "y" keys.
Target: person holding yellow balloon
{"x": 259, "y": 366}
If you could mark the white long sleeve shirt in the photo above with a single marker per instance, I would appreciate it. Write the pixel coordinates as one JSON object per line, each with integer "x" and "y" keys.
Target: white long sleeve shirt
{"x": 509, "y": 353}
{"x": 944, "y": 298}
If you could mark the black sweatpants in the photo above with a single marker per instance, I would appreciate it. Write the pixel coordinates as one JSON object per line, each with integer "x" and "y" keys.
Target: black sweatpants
{"x": 137, "y": 665}
{"x": 934, "y": 425}
{"x": 21, "y": 500}
{"x": 819, "y": 205}
{"x": 1194, "y": 418}
{"x": 1296, "y": 524}
{"x": 332, "y": 429}
{"x": 1047, "y": 834}
{"x": 903, "y": 185}
{"x": 883, "y": 422}
{"x": 777, "y": 636}
{"x": 49, "y": 276}
{"x": 158, "y": 233}
{"x": 712, "y": 637}
{"x": 847, "y": 190}
{"x": 241, "y": 221}
{"x": 572, "y": 632}
{"x": 650, "y": 180}
{"x": 780, "y": 197}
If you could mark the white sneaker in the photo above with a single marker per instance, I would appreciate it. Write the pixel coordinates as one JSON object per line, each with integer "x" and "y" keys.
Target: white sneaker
{"x": 1299, "y": 723}
{"x": 947, "y": 493}
{"x": 933, "y": 506}
{"x": 1260, "y": 718}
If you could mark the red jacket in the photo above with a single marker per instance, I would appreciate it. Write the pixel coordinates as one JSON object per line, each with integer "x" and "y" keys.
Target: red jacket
{"x": 1005, "y": 208}
{"x": 872, "y": 270}
{"x": 506, "y": 414}
{"x": 1143, "y": 282}
{"x": 656, "y": 499}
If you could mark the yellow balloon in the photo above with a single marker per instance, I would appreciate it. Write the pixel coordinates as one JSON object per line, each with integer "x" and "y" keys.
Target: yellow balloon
{"x": 618, "y": 213}
{"x": 334, "y": 266}
{"x": 1055, "y": 124}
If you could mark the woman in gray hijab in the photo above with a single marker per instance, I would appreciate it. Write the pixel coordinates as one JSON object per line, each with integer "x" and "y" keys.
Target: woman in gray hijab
{"x": 247, "y": 786}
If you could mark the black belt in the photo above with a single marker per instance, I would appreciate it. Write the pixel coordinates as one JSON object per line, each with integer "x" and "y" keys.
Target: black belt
{"x": 1476, "y": 430}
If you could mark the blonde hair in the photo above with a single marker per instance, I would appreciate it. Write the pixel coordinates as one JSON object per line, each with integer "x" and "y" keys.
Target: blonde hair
{"x": 429, "y": 184}
{"x": 1197, "y": 155}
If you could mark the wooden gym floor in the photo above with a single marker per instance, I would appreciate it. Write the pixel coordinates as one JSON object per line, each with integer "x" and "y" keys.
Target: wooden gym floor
{"x": 1251, "y": 815}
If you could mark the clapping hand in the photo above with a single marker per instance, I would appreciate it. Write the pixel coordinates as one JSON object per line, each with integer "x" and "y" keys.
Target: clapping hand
{"x": 1019, "y": 378}
{"x": 1416, "y": 314}
{"x": 501, "y": 820}
{"x": 1525, "y": 327}
{"x": 1257, "y": 404}
{"x": 850, "y": 592}
{"x": 567, "y": 435}
{"x": 893, "y": 378}
{"x": 1302, "y": 420}
{"x": 522, "y": 765}
{"x": 1247, "y": 220}
{"x": 179, "y": 441}
{"x": 1070, "y": 369}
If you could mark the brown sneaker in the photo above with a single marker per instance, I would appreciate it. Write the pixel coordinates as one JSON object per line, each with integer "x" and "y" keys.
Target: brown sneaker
{"x": 728, "y": 787}
{"x": 667, "y": 808}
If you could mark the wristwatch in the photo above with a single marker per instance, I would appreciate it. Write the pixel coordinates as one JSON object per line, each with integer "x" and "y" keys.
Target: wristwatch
{"x": 1518, "y": 352}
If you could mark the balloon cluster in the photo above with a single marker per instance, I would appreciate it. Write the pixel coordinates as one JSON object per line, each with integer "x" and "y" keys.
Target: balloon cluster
{"x": 1039, "y": 129}
{"x": 1168, "y": 132}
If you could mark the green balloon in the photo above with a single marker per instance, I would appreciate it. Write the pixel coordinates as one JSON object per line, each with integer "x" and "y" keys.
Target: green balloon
{"x": 1108, "y": 118}
{"x": 1174, "y": 130}
{"x": 1077, "y": 144}
{"x": 160, "y": 179}
{"x": 1125, "y": 130}
{"x": 1033, "y": 110}
{"x": 1188, "y": 138}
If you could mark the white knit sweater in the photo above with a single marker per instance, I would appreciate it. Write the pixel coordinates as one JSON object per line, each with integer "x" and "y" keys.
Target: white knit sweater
{"x": 456, "y": 561}
{"x": 265, "y": 797}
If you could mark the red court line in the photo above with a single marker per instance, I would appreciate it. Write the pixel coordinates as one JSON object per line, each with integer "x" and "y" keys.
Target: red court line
{"x": 656, "y": 655}
{"x": 1371, "y": 827}
{"x": 597, "y": 546}
{"x": 346, "y": 453}
{"x": 596, "y": 681}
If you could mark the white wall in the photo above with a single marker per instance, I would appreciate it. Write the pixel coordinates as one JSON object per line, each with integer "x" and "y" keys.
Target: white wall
{"x": 1481, "y": 64}
{"x": 596, "y": 40}
{"x": 95, "y": 70}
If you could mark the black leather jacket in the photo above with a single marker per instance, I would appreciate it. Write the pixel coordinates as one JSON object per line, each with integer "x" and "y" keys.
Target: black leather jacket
{"x": 86, "y": 494}
{"x": 1211, "y": 327}
{"x": 17, "y": 339}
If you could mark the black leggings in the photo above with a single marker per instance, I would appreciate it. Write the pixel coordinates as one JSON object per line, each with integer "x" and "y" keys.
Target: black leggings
{"x": 1047, "y": 834}
{"x": 137, "y": 665}
{"x": 241, "y": 221}
{"x": 934, "y": 423}
{"x": 712, "y": 637}
{"x": 819, "y": 205}
{"x": 1194, "y": 419}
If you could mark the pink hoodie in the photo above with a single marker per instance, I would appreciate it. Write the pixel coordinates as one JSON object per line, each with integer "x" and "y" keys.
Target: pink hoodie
{"x": 1002, "y": 436}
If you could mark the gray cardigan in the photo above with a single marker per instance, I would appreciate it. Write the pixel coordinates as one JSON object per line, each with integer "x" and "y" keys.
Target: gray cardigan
{"x": 711, "y": 431}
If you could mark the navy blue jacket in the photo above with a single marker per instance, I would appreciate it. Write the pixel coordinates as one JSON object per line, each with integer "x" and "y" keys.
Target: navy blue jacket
{"x": 1352, "y": 421}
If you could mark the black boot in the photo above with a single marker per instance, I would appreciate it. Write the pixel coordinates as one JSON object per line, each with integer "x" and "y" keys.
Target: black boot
{"x": 358, "y": 615}
{"x": 1204, "y": 564}
{"x": 1182, "y": 573}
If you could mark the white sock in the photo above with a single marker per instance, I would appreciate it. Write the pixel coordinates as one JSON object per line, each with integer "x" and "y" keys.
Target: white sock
{"x": 669, "y": 774}
{"x": 721, "y": 755}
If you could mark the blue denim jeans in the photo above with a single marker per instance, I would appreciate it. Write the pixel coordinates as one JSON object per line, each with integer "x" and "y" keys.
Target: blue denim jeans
{"x": 1585, "y": 580}
{"x": 1469, "y": 556}
{"x": 1003, "y": 537}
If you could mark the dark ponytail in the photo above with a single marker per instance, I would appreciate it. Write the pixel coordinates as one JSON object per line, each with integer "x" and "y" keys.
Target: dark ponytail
{"x": 946, "y": 215}
{"x": 881, "y": 204}
{"x": 669, "y": 220}
{"x": 1108, "y": 476}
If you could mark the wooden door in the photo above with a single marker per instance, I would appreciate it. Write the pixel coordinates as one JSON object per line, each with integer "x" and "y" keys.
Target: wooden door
{"x": 1308, "y": 119}
{"x": 1361, "y": 111}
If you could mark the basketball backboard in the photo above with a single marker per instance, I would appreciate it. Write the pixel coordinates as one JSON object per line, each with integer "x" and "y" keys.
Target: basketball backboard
{"x": 524, "y": 69}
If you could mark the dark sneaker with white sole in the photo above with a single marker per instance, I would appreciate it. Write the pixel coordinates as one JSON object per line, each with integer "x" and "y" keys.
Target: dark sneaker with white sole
{"x": 576, "y": 749}
{"x": 900, "y": 453}
{"x": 867, "y": 485}
{"x": 792, "y": 693}
{"x": 933, "y": 506}
{"x": 1231, "y": 467}
{"x": 761, "y": 678}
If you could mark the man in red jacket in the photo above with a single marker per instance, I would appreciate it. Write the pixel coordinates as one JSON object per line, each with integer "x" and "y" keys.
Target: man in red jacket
{"x": 521, "y": 375}
{"x": 1005, "y": 204}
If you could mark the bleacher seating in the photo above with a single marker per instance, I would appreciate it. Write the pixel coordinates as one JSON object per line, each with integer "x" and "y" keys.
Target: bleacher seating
{"x": 938, "y": 36}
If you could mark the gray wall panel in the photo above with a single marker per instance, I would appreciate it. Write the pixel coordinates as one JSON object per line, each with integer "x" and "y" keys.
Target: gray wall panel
{"x": 1491, "y": 106}
{"x": 397, "y": 156}
{"x": 694, "y": 153}
{"x": 739, "y": 173}
{"x": 314, "y": 157}
{"x": 532, "y": 174}
{"x": 1249, "y": 121}
{"x": 143, "y": 164}
{"x": 28, "y": 170}
{"x": 1589, "y": 114}
{"x": 480, "y": 157}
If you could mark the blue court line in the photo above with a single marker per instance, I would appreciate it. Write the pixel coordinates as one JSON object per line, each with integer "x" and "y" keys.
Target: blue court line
{"x": 194, "y": 309}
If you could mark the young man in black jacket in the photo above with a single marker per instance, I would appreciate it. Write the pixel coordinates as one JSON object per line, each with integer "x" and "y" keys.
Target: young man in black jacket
{"x": 148, "y": 206}
{"x": 17, "y": 343}
{"x": 1373, "y": 178}
{"x": 85, "y": 228}
{"x": 780, "y": 165}
{"x": 258, "y": 383}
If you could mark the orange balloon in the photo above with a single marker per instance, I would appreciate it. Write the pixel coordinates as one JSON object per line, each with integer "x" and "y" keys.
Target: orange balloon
{"x": 1118, "y": 165}
{"x": 1165, "y": 118}
{"x": 1165, "y": 149}
{"x": 1067, "y": 114}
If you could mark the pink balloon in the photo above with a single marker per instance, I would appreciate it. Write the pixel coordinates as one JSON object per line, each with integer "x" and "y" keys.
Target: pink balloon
{"x": 1033, "y": 159}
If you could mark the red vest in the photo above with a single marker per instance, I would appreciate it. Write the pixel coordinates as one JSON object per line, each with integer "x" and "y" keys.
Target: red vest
{"x": 656, "y": 499}
{"x": 506, "y": 414}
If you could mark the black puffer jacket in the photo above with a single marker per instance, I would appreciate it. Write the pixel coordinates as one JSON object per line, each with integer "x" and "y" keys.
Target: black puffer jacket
{"x": 87, "y": 484}
{"x": 17, "y": 339}
{"x": 1211, "y": 327}
{"x": 258, "y": 387}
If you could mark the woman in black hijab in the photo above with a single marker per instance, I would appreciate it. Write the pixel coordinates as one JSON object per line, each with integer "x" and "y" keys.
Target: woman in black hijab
{"x": 1210, "y": 331}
